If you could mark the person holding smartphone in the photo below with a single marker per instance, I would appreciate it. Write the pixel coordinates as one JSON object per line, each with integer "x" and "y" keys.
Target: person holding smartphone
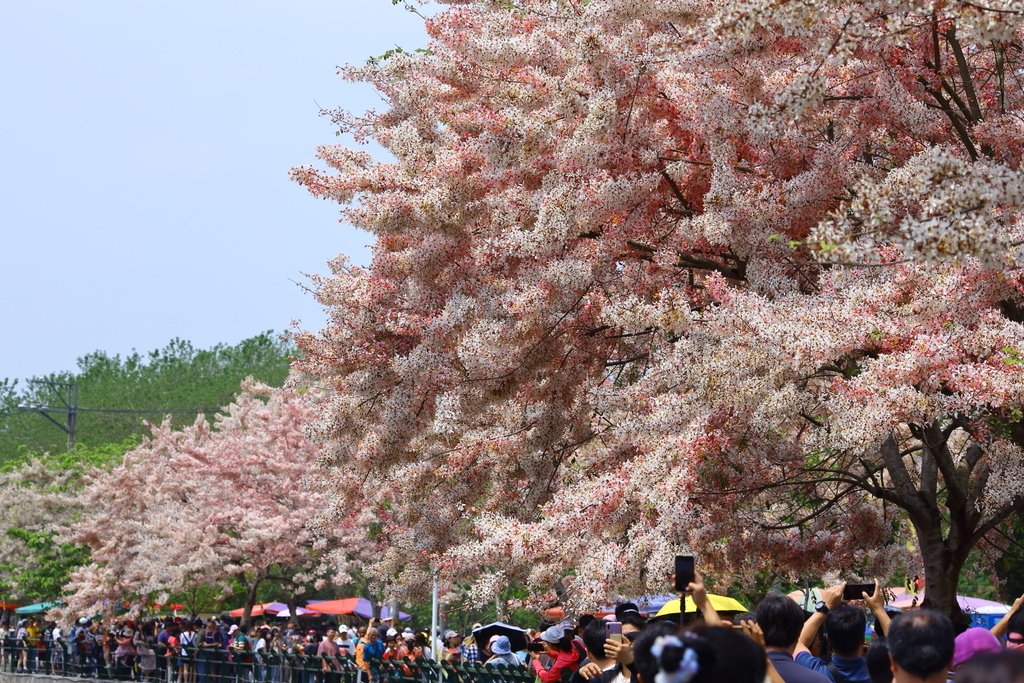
{"x": 844, "y": 626}
{"x": 602, "y": 666}
{"x": 562, "y": 648}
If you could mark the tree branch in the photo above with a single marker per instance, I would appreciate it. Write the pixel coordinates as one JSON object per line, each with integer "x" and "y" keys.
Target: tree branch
{"x": 954, "y": 118}
{"x": 965, "y": 74}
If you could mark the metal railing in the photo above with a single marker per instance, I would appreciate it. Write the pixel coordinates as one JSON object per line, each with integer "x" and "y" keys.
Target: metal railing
{"x": 224, "y": 666}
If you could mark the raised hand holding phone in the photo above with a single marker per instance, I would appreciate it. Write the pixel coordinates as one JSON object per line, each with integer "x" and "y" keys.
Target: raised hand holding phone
{"x": 685, "y": 572}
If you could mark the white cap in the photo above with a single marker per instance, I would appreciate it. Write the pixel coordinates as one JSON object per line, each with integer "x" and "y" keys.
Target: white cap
{"x": 234, "y": 627}
{"x": 391, "y": 633}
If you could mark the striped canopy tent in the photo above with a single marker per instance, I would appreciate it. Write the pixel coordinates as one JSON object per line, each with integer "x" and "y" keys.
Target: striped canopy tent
{"x": 385, "y": 614}
{"x": 299, "y": 611}
{"x": 258, "y": 610}
{"x": 360, "y": 607}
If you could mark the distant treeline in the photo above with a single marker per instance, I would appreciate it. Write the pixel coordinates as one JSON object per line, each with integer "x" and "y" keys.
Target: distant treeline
{"x": 178, "y": 378}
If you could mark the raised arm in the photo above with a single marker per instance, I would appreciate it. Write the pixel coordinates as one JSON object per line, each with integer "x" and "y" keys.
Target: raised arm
{"x": 832, "y": 597}
{"x": 876, "y": 602}
{"x": 1000, "y": 629}
{"x": 697, "y": 592}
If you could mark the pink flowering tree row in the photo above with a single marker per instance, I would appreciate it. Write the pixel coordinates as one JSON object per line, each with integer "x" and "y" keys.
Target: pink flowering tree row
{"x": 739, "y": 277}
{"x": 216, "y": 502}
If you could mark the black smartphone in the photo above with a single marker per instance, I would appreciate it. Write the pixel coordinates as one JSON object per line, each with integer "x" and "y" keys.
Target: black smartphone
{"x": 853, "y": 591}
{"x": 684, "y": 572}
{"x": 534, "y": 647}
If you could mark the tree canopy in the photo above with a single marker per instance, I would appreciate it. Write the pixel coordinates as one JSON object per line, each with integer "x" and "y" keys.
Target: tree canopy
{"x": 742, "y": 277}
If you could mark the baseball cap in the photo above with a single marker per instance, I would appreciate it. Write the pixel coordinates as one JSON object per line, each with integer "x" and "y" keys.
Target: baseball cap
{"x": 392, "y": 633}
{"x": 234, "y": 627}
{"x": 974, "y": 641}
{"x": 624, "y": 608}
{"x": 553, "y": 635}
{"x": 450, "y": 634}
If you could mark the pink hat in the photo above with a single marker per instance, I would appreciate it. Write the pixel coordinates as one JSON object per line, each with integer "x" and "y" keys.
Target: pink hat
{"x": 971, "y": 642}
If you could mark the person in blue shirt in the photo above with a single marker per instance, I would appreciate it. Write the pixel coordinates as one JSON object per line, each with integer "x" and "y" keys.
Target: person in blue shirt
{"x": 781, "y": 619}
{"x": 844, "y": 626}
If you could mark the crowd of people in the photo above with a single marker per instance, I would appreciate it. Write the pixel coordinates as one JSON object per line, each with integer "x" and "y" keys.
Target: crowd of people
{"x": 777, "y": 643}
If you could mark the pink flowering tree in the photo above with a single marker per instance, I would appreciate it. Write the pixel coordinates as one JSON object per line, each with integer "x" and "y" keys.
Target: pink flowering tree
{"x": 741, "y": 277}
{"x": 213, "y": 503}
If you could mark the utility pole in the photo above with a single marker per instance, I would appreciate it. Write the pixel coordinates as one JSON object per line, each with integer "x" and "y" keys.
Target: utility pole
{"x": 67, "y": 392}
{"x": 434, "y": 615}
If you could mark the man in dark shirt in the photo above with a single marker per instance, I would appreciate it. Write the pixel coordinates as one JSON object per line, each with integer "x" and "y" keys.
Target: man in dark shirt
{"x": 781, "y": 619}
{"x": 921, "y": 647}
{"x": 594, "y": 635}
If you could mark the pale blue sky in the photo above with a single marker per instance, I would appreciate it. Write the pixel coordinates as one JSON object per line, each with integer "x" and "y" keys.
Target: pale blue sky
{"x": 144, "y": 156}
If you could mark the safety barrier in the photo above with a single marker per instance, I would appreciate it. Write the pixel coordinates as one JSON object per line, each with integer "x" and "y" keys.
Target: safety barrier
{"x": 21, "y": 664}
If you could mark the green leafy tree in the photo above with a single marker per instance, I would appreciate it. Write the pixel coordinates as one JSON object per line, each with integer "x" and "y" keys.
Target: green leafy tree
{"x": 117, "y": 395}
{"x": 51, "y": 563}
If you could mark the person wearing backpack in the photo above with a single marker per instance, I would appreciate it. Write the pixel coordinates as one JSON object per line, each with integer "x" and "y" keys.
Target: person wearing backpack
{"x": 187, "y": 653}
{"x": 241, "y": 653}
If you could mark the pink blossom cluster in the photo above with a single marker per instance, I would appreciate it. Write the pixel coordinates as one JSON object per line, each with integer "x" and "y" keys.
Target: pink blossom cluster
{"x": 738, "y": 277}
{"x": 219, "y": 500}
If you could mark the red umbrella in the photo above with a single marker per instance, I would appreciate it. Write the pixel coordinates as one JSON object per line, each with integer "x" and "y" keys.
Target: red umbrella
{"x": 7, "y": 607}
{"x": 174, "y": 607}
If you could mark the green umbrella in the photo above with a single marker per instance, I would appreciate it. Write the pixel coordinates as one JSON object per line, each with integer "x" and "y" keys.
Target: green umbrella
{"x": 36, "y": 608}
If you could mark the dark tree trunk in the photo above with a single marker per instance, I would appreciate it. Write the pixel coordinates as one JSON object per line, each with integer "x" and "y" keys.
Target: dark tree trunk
{"x": 942, "y": 567}
{"x": 250, "y": 600}
{"x": 293, "y": 606}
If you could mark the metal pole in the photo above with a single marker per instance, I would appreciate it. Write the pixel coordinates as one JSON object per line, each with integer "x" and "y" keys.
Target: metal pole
{"x": 433, "y": 621}
{"x": 393, "y": 613}
{"x": 72, "y": 413}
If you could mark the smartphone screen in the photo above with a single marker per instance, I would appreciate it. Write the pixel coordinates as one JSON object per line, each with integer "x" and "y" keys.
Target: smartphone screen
{"x": 684, "y": 572}
{"x": 854, "y": 591}
{"x": 614, "y": 631}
